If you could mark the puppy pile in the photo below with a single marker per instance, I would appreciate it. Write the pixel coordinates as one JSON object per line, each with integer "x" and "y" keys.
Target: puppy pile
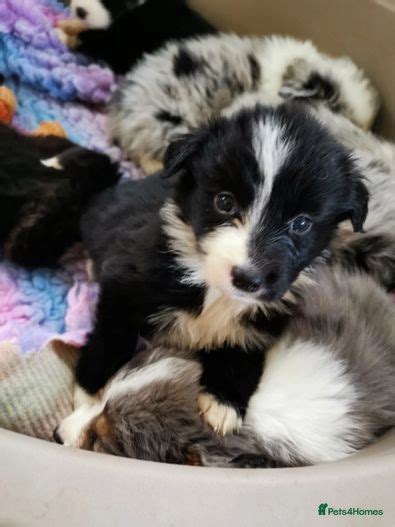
{"x": 325, "y": 390}
{"x": 256, "y": 262}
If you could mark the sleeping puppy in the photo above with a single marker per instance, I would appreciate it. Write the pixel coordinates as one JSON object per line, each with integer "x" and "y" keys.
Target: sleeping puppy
{"x": 186, "y": 84}
{"x": 327, "y": 390}
{"x": 205, "y": 258}
{"x": 45, "y": 185}
{"x": 119, "y": 32}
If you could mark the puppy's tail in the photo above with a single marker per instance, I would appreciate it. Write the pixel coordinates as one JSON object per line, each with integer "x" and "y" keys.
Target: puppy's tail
{"x": 373, "y": 253}
{"x": 245, "y": 450}
{"x": 335, "y": 82}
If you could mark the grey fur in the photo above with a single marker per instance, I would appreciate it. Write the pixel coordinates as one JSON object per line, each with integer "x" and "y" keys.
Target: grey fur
{"x": 373, "y": 251}
{"x": 219, "y": 70}
{"x": 347, "y": 315}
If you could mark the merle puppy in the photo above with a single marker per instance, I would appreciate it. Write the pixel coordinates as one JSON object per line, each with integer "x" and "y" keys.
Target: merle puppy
{"x": 186, "y": 84}
{"x": 45, "y": 186}
{"x": 327, "y": 389}
{"x": 203, "y": 257}
{"x": 119, "y": 32}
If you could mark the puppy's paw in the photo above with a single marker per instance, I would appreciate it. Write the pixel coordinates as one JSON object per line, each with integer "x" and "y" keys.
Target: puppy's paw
{"x": 222, "y": 418}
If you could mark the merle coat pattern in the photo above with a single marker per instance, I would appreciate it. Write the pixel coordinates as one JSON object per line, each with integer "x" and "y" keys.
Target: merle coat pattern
{"x": 205, "y": 257}
{"x": 327, "y": 390}
{"x": 186, "y": 84}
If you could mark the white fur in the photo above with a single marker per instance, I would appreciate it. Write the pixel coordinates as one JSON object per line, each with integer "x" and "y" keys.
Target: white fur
{"x": 304, "y": 398}
{"x": 87, "y": 407}
{"x": 152, "y": 87}
{"x": 98, "y": 16}
{"x": 53, "y": 162}
{"x": 162, "y": 370}
{"x": 71, "y": 429}
{"x": 210, "y": 262}
{"x": 271, "y": 150}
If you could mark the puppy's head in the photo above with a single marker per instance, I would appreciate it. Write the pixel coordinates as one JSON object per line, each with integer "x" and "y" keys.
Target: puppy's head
{"x": 148, "y": 412}
{"x": 100, "y": 14}
{"x": 260, "y": 195}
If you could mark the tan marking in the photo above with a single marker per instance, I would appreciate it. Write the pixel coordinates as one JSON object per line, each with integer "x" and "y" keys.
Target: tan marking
{"x": 150, "y": 166}
{"x": 102, "y": 426}
{"x": 223, "y": 419}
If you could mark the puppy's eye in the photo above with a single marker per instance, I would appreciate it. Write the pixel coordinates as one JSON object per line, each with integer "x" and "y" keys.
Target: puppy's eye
{"x": 225, "y": 203}
{"x": 300, "y": 225}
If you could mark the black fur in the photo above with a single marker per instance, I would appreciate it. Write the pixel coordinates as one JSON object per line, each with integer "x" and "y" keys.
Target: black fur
{"x": 185, "y": 63}
{"x": 138, "y": 30}
{"x": 138, "y": 270}
{"x": 168, "y": 117}
{"x": 232, "y": 374}
{"x": 40, "y": 206}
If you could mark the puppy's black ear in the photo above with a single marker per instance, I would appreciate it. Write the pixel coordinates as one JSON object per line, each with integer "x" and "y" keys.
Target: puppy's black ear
{"x": 179, "y": 154}
{"x": 359, "y": 199}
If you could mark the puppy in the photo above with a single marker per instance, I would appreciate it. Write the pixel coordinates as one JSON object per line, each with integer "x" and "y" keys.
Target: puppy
{"x": 204, "y": 259}
{"x": 186, "y": 84}
{"x": 45, "y": 185}
{"x": 119, "y": 32}
{"x": 327, "y": 390}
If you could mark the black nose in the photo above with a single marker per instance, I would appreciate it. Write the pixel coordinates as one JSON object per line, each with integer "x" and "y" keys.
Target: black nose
{"x": 81, "y": 13}
{"x": 56, "y": 436}
{"x": 246, "y": 279}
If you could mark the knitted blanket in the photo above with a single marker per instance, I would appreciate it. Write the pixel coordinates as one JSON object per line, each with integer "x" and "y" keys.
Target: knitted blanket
{"x": 40, "y": 306}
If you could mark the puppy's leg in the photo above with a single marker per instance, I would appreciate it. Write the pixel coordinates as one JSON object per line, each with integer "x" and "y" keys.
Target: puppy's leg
{"x": 230, "y": 376}
{"x": 114, "y": 338}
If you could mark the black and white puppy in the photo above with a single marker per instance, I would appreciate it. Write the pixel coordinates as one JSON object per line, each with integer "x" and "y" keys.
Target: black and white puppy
{"x": 186, "y": 84}
{"x": 45, "y": 186}
{"x": 327, "y": 389}
{"x": 204, "y": 259}
{"x": 119, "y": 32}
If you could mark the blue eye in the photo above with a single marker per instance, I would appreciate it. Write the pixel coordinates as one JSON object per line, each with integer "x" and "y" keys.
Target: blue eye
{"x": 300, "y": 225}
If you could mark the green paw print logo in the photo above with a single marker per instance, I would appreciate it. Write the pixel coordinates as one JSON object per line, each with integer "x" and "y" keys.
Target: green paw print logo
{"x": 322, "y": 509}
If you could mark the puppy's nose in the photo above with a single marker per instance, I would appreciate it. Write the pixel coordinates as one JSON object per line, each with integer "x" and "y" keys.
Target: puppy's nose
{"x": 56, "y": 436}
{"x": 246, "y": 279}
{"x": 81, "y": 13}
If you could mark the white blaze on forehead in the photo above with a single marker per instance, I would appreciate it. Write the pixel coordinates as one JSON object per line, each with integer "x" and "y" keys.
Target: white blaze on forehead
{"x": 271, "y": 148}
{"x": 98, "y": 17}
